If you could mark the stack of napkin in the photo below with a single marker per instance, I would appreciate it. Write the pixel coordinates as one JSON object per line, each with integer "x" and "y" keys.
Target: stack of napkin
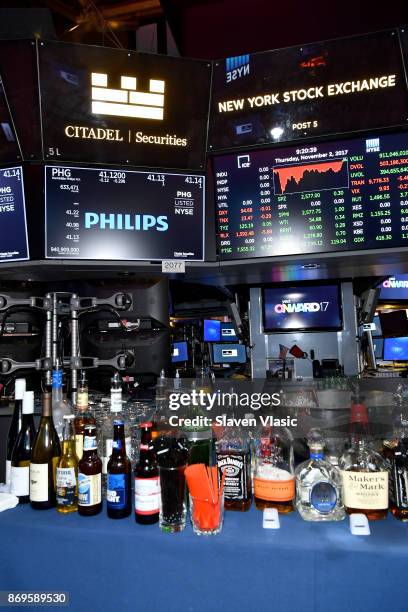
{"x": 7, "y": 500}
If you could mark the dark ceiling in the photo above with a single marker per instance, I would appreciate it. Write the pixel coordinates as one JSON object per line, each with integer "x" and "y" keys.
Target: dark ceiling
{"x": 218, "y": 28}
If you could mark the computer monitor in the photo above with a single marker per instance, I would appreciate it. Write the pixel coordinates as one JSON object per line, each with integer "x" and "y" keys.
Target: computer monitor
{"x": 394, "y": 324}
{"x": 179, "y": 352}
{"x": 396, "y": 349}
{"x": 229, "y": 353}
{"x": 212, "y": 330}
{"x": 378, "y": 344}
{"x": 228, "y": 333}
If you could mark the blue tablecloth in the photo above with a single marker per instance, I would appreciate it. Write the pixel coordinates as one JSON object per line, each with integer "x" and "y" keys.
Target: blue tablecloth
{"x": 119, "y": 565}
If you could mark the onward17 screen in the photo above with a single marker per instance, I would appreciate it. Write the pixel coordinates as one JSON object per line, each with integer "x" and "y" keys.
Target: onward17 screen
{"x": 101, "y": 214}
{"x": 305, "y": 308}
{"x": 330, "y": 196}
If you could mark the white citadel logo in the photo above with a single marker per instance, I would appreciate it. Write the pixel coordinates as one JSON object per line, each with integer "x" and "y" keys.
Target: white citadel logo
{"x": 127, "y": 102}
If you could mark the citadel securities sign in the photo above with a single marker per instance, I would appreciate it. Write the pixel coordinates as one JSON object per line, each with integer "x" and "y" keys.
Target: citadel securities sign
{"x": 331, "y": 87}
{"x": 123, "y": 107}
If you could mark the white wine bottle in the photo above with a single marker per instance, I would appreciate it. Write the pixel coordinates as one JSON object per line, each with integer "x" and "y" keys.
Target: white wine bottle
{"x": 44, "y": 458}
{"x": 15, "y": 425}
{"x": 21, "y": 456}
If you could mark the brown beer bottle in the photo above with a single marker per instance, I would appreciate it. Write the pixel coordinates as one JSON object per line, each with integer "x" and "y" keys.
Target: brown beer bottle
{"x": 89, "y": 476}
{"x": 118, "y": 495}
{"x": 147, "y": 488}
{"x": 84, "y": 416}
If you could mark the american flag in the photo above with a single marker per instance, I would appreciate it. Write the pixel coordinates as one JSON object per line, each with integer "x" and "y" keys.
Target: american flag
{"x": 283, "y": 351}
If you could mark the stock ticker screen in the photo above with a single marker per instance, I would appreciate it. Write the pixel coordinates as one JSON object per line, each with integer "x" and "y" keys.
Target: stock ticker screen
{"x": 105, "y": 214}
{"x": 13, "y": 223}
{"x": 331, "y": 196}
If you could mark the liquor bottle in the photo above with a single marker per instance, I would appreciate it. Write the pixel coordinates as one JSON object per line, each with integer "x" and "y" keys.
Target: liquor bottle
{"x": 159, "y": 415}
{"x": 364, "y": 471}
{"x": 20, "y": 459}
{"x": 147, "y": 487}
{"x": 84, "y": 416}
{"x": 274, "y": 479}
{"x": 60, "y": 406}
{"x": 89, "y": 476}
{"x": 234, "y": 460}
{"x": 396, "y": 451}
{"x": 119, "y": 492}
{"x": 318, "y": 485}
{"x": 67, "y": 470}
{"x": 116, "y": 412}
{"x": 44, "y": 458}
{"x": 15, "y": 425}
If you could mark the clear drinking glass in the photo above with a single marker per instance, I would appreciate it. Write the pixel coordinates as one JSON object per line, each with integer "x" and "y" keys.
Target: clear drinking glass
{"x": 173, "y": 507}
{"x": 206, "y": 516}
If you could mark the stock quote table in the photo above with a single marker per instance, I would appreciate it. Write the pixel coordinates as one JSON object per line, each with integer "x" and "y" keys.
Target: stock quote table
{"x": 119, "y": 565}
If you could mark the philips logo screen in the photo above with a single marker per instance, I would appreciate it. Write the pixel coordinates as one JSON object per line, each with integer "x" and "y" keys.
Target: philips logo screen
{"x": 236, "y": 67}
{"x": 305, "y": 308}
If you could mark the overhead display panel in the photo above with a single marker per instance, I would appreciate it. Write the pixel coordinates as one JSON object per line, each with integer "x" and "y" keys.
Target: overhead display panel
{"x": 331, "y": 87}
{"x": 334, "y": 196}
{"x": 13, "y": 225}
{"x": 105, "y": 214}
{"x": 123, "y": 107}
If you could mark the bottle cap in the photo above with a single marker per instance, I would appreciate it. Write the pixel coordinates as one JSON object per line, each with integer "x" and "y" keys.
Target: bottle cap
{"x": 146, "y": 424}
{"x": 359, "y": 413}
{"x": 28, "y": 402}
{"x": 20, "y": 387}
{"x": 118, "y": 422}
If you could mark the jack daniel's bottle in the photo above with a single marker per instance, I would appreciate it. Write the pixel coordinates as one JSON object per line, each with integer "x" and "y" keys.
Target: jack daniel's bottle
{"x": 234, "y": 460}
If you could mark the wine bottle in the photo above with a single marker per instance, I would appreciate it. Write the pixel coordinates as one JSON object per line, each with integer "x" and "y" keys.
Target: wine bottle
{"x": 15, "y": 425}
{"x": 44, "y": 458}
{"x": 20, "y": 459}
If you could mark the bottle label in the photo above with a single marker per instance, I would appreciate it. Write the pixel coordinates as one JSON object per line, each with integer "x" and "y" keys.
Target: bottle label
{"x": 82, "y": 399}
{"x": 89, "y": 443}
{"x": 39, "y": 482}
{"x": 20, "y": 481}
{"x": 116, "y": 494}
{"x": 66, "y": 486}
{"x": 117, "y": 444}
{"x": 108, "y": 452}
{"x": 89, "y": 489}
{"x": 57, "y": 379}
{"x": 147, "y": 495}
{"x": 8, "y": 471}
{"x": 79, "y": 445}
{"x": 279, "y": 490}
{"x": 235, "y": 468}
{"x": 365, "y": 490}
{"x": 323, "y": 497}
{"x": 116, "y": 400}
{"x": 399, "y": 483}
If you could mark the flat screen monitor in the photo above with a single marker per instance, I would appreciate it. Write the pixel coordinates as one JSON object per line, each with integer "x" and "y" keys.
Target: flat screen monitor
{"x": 212, "y": 330}
{"x": 229, "y": 353}
{"x": 378, "y": 347}
{"x": 396, "y": 349}
{"x": 314, "y": 308}
{"x": 228, "y": 333}
{"x": 322, "y": 197}
{"x": 105, "y": 214}
{"x": 179, "y": 352}
{"x": 13, "y": 224}
{"x": 394, "y": 323}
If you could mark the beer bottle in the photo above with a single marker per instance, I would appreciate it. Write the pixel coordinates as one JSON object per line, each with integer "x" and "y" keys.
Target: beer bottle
{"x": 147, "y": 488}
{"x": 119, "y": 490}
{"x": 89, "y": 476}
{"x": 67, "y": 470}
{"x": 84, "y": 416}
